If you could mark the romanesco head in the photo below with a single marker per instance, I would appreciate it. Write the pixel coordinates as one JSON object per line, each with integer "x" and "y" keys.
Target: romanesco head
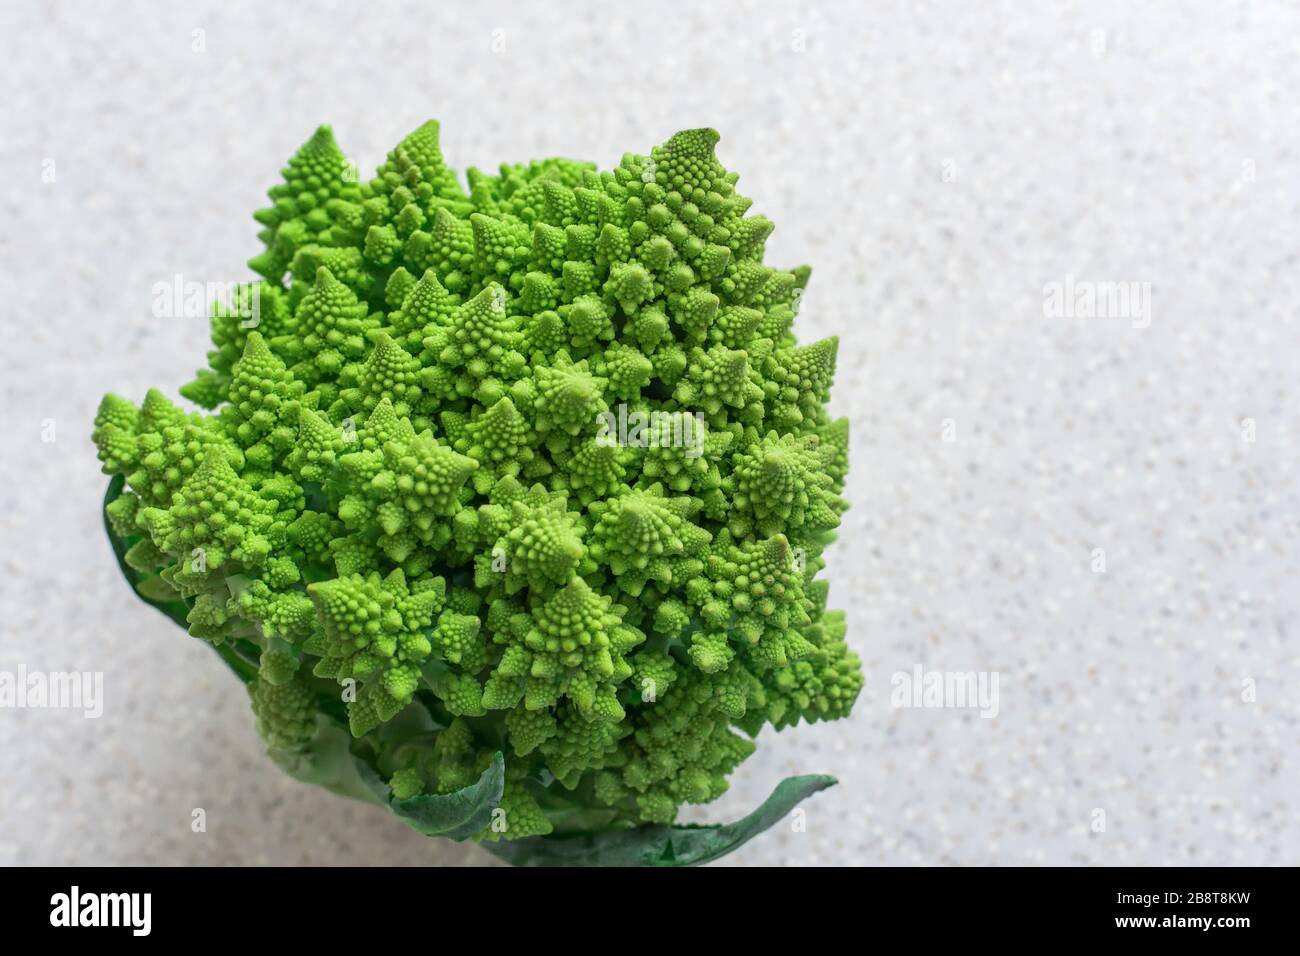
{"x": 535, "y": 455}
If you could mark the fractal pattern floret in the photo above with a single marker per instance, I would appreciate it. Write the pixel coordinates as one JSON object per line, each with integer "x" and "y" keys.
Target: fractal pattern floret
{"x": 405, "y": 520}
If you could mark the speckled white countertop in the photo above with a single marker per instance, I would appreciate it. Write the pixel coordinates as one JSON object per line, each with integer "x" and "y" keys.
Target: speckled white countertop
{"x": 938, "y": 164}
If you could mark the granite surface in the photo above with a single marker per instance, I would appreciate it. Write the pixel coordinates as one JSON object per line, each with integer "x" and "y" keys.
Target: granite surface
{"x": 1100, "y": 512}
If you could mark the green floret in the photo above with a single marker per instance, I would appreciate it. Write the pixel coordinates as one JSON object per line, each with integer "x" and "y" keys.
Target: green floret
{"x": 285, "y": 712}
{"x": 543, "y": 546}
{"x": 783, "y": 483}
{"x": 572, "y": 645}
{"x": 458, "y": 639}
{"x": 499, "y": 441}
{"x": 530, "y": 463}
{"x": 372, "y": 630}
{"x": 822, "y": 686}
{"x": 682, "y": 749}
{"x": 214, "y": 518}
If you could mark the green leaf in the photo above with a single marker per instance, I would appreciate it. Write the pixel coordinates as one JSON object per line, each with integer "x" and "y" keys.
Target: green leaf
{"x": 157, "y": 591}
{"x": 327, "y": 761}
{"x": 237, "y": 662}
{"x": 660, "y": 845}
{"x": 458, "y": 815}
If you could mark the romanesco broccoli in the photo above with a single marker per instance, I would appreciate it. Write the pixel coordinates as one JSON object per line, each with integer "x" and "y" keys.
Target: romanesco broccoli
{"x": 536, "y": 466}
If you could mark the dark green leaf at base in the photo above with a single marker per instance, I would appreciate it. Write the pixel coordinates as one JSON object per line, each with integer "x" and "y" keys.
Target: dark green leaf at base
{"x": 659, "y": 845}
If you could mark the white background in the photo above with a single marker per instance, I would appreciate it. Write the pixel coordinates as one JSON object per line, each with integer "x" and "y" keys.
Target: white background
{"x": 1111, "y": 141}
